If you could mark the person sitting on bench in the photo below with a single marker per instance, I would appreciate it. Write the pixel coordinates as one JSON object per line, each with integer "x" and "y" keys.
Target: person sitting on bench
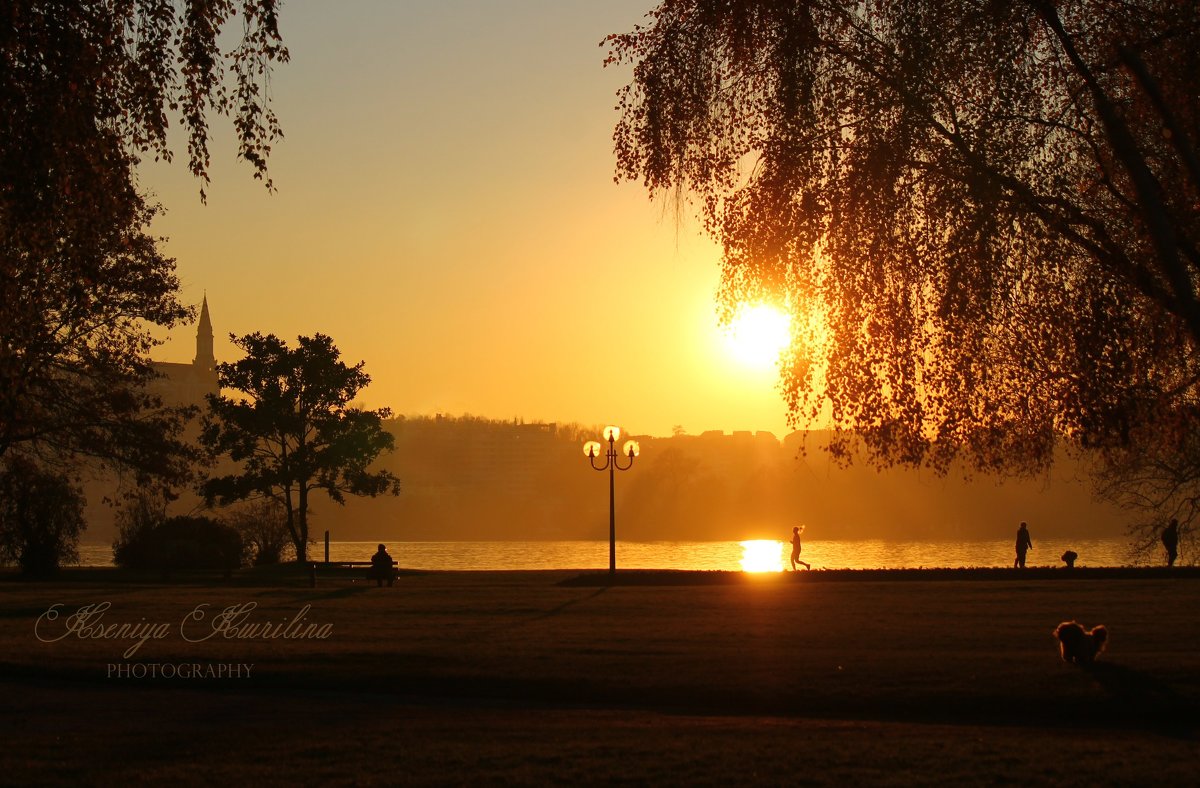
{"x": 381, "y": 567}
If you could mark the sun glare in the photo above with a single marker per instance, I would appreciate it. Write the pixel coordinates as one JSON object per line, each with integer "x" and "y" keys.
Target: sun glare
{"x": 762, "y": 555}
{"x": 757, "y": 335}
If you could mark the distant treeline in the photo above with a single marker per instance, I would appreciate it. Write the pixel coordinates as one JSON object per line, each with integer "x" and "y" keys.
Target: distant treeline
{"x": 480, "y": 479}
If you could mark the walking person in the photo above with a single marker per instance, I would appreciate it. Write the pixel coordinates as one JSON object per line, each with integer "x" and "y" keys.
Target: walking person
{"x": 796, "y": 548}
{"x": 1023, "y": 545}
{"x": 1170, "y": 540}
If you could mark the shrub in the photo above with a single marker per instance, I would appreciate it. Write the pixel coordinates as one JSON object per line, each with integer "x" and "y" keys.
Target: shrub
{"x": 140, "y": 514}
{"x": 41, "y": 518}
{"x": 263, "y": 526}
{"x": 180, "y": 544}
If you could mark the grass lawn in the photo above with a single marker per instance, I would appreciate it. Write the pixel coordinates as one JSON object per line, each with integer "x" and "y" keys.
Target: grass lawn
{"x": 512, "y": 678}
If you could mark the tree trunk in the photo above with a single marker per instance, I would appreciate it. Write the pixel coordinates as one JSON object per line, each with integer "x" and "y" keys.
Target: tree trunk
{"x": 302, "y": 511}
{"x": 293, "y": 533}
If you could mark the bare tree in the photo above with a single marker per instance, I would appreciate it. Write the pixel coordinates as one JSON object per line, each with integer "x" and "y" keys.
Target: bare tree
{"x": 1157, "y": 480}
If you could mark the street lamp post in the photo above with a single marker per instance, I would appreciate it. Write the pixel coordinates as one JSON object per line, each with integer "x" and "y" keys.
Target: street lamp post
{"x": 611, "y": 464}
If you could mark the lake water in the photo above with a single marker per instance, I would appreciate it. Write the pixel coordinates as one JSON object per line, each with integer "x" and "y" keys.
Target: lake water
{"x": 762, "y": 555}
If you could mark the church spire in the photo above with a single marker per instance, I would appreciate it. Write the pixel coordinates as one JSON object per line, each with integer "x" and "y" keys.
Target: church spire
{"x": 204, "y": 339}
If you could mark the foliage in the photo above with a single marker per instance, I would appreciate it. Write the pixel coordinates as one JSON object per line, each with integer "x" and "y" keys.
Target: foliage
{"x": 263, "y": 526}
{"x": 180, "y": 544}
{"x": 983, "y": 217}
{"x": 294, "y": 431}
{"x": 85, "y": 89}
{"x": 41, "y": 517}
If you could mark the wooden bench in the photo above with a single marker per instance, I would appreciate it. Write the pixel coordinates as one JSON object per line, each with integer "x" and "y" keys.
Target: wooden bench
{"x": 341, "y": 567}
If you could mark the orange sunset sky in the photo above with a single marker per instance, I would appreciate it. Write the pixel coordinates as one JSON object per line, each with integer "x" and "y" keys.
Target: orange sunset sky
{"x": 446, "y": 211}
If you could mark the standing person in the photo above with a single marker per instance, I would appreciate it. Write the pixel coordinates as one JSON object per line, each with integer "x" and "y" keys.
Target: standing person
{"x": 1170, "y": 540}
{"x": 796, "y": 548}
{"x": 381, "y": 567}
{"x": 1023, "y": 545}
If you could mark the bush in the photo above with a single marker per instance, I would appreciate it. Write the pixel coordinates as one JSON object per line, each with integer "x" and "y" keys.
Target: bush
{"x": 141, "y": 513}
{"x": 180, "y": 544}
{"x": 263, "y": 526}
{"x": 41, "y": 518}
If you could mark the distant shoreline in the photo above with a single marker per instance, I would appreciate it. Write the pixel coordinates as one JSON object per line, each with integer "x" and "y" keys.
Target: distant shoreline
{"x": 636, "y": 577}
{"x": 292, "y": 574}
{"x": 731, "y": 556}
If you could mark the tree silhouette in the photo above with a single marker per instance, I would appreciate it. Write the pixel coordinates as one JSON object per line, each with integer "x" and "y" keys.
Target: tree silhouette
{"x": 293, "y": 430}
{"x": 41, "y": 517}
{"x": 85, "y": 88}
{"x": 982, "y": 216}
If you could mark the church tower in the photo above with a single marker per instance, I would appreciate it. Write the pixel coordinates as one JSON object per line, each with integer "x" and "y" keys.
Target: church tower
{"x": 189, "y": 384}
{"x": 204, "y": 340}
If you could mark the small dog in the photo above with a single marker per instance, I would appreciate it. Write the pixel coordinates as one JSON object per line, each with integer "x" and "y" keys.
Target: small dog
{"x": 1078, "y": 645}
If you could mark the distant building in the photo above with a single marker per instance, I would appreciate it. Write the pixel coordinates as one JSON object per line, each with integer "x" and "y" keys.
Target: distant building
{"x": 187, "y": 384}
{"x": 177, "y": 384}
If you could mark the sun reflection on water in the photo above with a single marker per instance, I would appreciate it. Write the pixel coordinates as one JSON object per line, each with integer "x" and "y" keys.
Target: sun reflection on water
{"x": 762, "y": 555}
{"x": 726, "y": 556}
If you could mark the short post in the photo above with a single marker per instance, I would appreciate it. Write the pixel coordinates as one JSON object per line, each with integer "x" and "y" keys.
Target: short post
{"x": 326, "y": 546}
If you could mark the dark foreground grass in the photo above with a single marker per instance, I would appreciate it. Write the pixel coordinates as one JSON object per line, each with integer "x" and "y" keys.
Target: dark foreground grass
{"x": 101, "y": 736}
{"x": 512, "y": 678}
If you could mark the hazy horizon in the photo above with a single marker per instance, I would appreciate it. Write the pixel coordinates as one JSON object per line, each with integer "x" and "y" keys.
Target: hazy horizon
{"x": 472, "y": 479}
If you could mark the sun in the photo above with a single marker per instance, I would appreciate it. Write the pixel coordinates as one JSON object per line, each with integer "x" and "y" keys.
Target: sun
{"x": 757, "y": 334}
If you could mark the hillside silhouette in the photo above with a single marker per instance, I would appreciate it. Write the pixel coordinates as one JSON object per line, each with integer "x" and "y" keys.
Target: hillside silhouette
{"x": 469, "y": 478}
